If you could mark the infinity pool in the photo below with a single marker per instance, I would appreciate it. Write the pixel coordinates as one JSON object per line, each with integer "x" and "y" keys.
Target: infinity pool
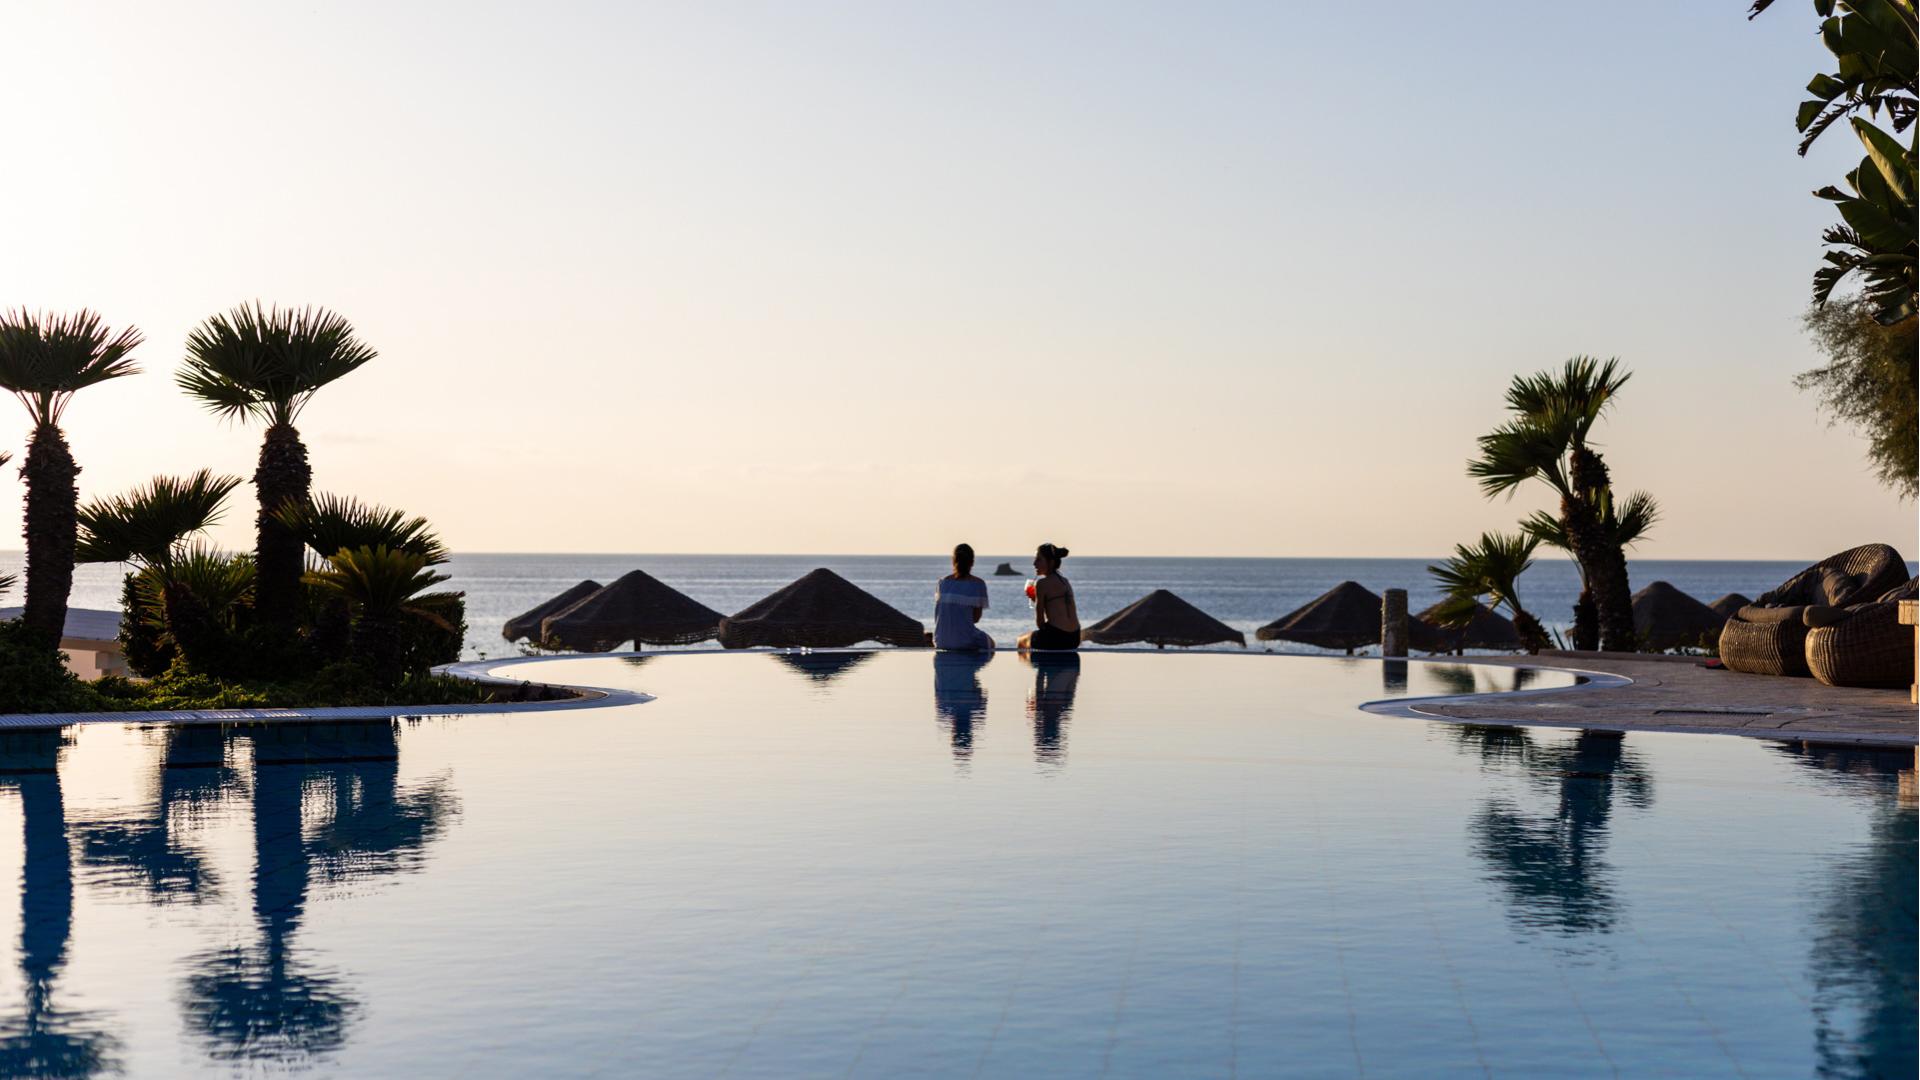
{"x": 906, "y": 864}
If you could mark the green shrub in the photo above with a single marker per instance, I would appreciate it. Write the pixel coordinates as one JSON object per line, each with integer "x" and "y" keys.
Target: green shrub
{"x": 34, "y": 677}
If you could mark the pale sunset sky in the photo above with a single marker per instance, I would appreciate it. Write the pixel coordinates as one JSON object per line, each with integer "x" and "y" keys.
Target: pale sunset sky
{"x": 1168, "y": 279}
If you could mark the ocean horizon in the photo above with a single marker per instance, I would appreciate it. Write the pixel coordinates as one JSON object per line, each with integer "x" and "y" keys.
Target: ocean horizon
{"x": 1245, "y": 593}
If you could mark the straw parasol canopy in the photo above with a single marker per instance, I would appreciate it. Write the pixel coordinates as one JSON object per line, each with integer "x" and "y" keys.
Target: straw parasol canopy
{"x": 1163, "y": 619}
{"x": 527, "y": 623}
{"x": 822, "y": 611}
{"x": 1486, "y": 630}
{"x": 1664, "y": 617}
{"x": 1728, "y": 604}
{"x": 636, "y": 608}
{"x": 1346, "y": 616}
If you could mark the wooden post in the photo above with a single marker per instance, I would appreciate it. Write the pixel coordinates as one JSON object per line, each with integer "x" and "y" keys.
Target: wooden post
{"x": 1393, "y": 623}
{"x": 1910, "y": 616}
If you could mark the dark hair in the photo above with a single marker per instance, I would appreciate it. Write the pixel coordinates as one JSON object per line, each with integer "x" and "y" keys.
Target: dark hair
{"x": 1054, "y": 555}
{"x": 963, "y": 558}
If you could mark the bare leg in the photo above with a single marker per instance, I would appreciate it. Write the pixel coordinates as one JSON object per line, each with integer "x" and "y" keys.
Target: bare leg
{"x": 1025, "y": 642}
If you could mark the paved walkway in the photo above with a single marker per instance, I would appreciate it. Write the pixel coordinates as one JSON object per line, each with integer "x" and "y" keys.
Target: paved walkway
{"x": 1677, "y": 694}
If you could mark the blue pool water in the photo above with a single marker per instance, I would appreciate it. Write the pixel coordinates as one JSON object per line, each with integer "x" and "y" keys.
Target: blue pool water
{"x": 907, "y": 864}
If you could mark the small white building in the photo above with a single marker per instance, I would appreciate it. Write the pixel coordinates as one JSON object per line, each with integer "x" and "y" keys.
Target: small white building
{"x": 91, "y": 641}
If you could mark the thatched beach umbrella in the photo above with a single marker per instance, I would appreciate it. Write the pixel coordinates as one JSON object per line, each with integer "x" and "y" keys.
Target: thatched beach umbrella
{"x": 527, "y": 623}
{"x": 1728, "y": 604}
{"x": 1486, "y": 630}
{"x": 1346, "y": 616}
{"x": 1163, "y": 619}
{"x": 822, "y": 611}
{"x": 1665, "y": 617}
{"x": 636, "y": 608}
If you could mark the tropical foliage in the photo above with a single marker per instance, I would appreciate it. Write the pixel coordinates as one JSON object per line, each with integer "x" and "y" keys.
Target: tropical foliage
{"x": 384, "y": 586}
{"x": 45, "y": 359}
{"x": 146, "y": 527}
{"x": 1549, "y": 439}
{"x": 1490, "y": 568}
{"x": 1876, "y": 50}
{"x": 1869, "y": 381}
{"x": 331, "y": 523}
{"x": 265, "y": 365}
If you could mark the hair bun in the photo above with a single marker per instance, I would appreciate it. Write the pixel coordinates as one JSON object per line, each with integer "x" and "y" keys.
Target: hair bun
{"x": 1059, "y": 553}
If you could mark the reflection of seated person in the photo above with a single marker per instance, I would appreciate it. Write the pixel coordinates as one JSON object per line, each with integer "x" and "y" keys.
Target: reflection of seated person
{"x": 958, "y": 602}
{"x": 959, "y": 702}
{"x": 1050, "y": 705}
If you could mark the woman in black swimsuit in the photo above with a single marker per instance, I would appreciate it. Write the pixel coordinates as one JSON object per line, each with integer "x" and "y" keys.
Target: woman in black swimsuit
{"x": 1056, "y": 619}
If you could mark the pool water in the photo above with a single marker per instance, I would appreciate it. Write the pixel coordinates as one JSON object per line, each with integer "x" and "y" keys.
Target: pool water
{"x": 903, "y": 863}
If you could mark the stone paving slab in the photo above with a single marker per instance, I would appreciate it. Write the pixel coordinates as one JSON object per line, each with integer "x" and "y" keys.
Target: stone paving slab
{"x": 1677, "y": 694}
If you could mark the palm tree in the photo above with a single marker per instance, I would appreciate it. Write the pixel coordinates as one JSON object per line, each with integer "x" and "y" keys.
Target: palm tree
{"x": 147, "y": 527}
{"x": 266, "y": 364}
{"x": 1633, "y": 518}
{"x": 1548, "y": 440}
{"x": 6, "y": 580}
{"x": 44, "y": 360}
{"x": 383, "y": 585}
{"x": 329, "y": 523}
{"x": 1492, "y": 568}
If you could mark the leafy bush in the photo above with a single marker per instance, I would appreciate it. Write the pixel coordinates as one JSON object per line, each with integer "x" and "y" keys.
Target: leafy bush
{"x": 33, "y": 675}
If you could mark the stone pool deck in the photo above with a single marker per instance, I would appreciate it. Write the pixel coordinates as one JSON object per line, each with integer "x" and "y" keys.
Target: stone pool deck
{"x": 1677, "y": 694}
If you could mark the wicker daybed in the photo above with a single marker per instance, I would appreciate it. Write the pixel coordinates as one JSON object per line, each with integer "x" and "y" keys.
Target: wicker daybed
{"x": 1769, "y": 636}
{"x": 1867, "y": 646}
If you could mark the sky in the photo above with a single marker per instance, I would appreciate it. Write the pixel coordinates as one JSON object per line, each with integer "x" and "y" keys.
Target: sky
{"x": 1139, "y": 279}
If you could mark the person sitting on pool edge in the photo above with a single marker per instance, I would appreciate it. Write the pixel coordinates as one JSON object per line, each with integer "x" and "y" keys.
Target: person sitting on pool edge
{"x": 1056, "y": 619}
{"x": 959, "y": 599}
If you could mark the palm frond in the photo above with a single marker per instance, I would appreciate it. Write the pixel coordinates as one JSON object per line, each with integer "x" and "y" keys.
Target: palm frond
{"x": 1633, "y": 518}
{"x": 330, "y": 523}
{"x": 46, "y": 358}
{"x": 145, "y": 524}
{"x": 221, "y": 581}
{"x": 381, "y": 581}
{"x": 1516, "y": 452}
{"x": 6, "y": 582}
{"x": 266, "y": 363}
{"x": 1489, "y": 567}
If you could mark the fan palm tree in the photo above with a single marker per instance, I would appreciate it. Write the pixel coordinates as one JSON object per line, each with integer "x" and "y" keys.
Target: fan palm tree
{"x": 44, "y": 360}
{"x": 1491, "y": 568}
{"x": 147, "y": 527}
{"x": 1632, "y": 519}
{"x": 6, "y": 580}
{"x": 1548, "y": 439}
{"x": 265, "y": 364}
{"x": 383, "y": 586}
{"x": 330, "y": 523}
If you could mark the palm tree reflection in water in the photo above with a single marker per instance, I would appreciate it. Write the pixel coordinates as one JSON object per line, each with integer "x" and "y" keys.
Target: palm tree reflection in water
{"x": 261, "y": 1001}
{"x": 151, "y": 854}
{"x": 959, "y": 701}
{"x": 1551, "y": 864}
{"x": 46, "y": 1041}
{"x": 1056, "y": 676}
{"x": 1864, "y": 952}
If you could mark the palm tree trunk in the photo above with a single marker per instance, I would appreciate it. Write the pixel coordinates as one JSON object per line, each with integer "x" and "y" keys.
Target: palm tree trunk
{"x": 1607, "y": 564}
{"x": 1586, "y": 619}
{"x": 146, "y": 651}
{"x": 282, "y": 477}
{"x": 376, "y": 639}
{"x": 1576, "y": 520}
{"x": 51, "y": 526}
{"x": 1533, "y": 636}
{"x": 1614, "y": 597}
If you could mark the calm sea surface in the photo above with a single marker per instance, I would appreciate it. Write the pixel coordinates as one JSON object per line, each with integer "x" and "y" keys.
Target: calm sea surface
{"x": 1243, "y": 593}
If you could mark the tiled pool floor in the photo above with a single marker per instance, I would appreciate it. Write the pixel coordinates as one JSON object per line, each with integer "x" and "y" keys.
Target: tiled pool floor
{"x": 902, "y": 864}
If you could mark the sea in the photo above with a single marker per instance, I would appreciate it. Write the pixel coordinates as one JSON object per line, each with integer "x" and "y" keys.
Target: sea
{"x": 1243, "y": 593}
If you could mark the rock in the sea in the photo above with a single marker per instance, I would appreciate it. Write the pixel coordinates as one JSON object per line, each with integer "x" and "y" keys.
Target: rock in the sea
{"x": 1005, "y": 569}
